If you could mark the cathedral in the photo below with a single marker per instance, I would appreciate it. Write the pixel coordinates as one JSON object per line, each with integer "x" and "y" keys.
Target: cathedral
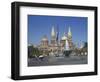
{"x": 56, "y": 45}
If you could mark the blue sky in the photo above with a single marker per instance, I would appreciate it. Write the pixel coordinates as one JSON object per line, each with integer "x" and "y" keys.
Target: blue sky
{"x": 39, "y": 25}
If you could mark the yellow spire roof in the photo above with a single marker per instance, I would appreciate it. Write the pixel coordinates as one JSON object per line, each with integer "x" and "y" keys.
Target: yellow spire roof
{"x": 53, "y": 34}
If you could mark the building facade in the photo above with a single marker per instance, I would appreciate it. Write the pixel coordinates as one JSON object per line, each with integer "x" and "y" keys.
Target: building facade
{"x": 56, "y": 45}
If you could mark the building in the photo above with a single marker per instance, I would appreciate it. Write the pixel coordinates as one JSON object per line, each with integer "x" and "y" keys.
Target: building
{"x": 55, "y": 45}
{"x": 63, "y": 41}
{"x": 69, "y": 38}
{"x": 44, "y": 43}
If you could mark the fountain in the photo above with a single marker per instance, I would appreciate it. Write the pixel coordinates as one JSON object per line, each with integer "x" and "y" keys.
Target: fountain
{"x": 67, "y": 50}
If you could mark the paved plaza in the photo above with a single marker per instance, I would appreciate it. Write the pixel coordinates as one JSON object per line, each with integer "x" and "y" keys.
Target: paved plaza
{"x": 52, "y": 60}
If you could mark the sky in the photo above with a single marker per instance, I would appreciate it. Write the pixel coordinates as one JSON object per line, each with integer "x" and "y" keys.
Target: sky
{"x": 39, "y": 25}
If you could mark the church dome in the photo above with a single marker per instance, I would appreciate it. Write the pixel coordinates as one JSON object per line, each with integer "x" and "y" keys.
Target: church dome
{"x": 64, "y": 37}
{"x": 45, "y": 38}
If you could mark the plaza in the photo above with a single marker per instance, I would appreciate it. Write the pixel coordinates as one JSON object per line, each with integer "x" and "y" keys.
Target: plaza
{"x": 62, "y": 60}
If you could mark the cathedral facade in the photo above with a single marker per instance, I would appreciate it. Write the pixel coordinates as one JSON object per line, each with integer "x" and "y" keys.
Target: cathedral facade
{"x": 56, "y": 45}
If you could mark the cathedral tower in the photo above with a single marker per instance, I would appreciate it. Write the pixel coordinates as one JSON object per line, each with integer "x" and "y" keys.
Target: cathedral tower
{"x": 53, "y": 36}
{"x": 69, "y": 38}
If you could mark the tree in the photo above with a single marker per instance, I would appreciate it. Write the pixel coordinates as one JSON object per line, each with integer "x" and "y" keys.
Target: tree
{"x": 85, "y": 45}
{"x": 30, "y": 50}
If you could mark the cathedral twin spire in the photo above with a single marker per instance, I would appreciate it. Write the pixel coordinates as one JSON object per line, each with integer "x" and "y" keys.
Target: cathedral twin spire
{"x": 54, "y": 33}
